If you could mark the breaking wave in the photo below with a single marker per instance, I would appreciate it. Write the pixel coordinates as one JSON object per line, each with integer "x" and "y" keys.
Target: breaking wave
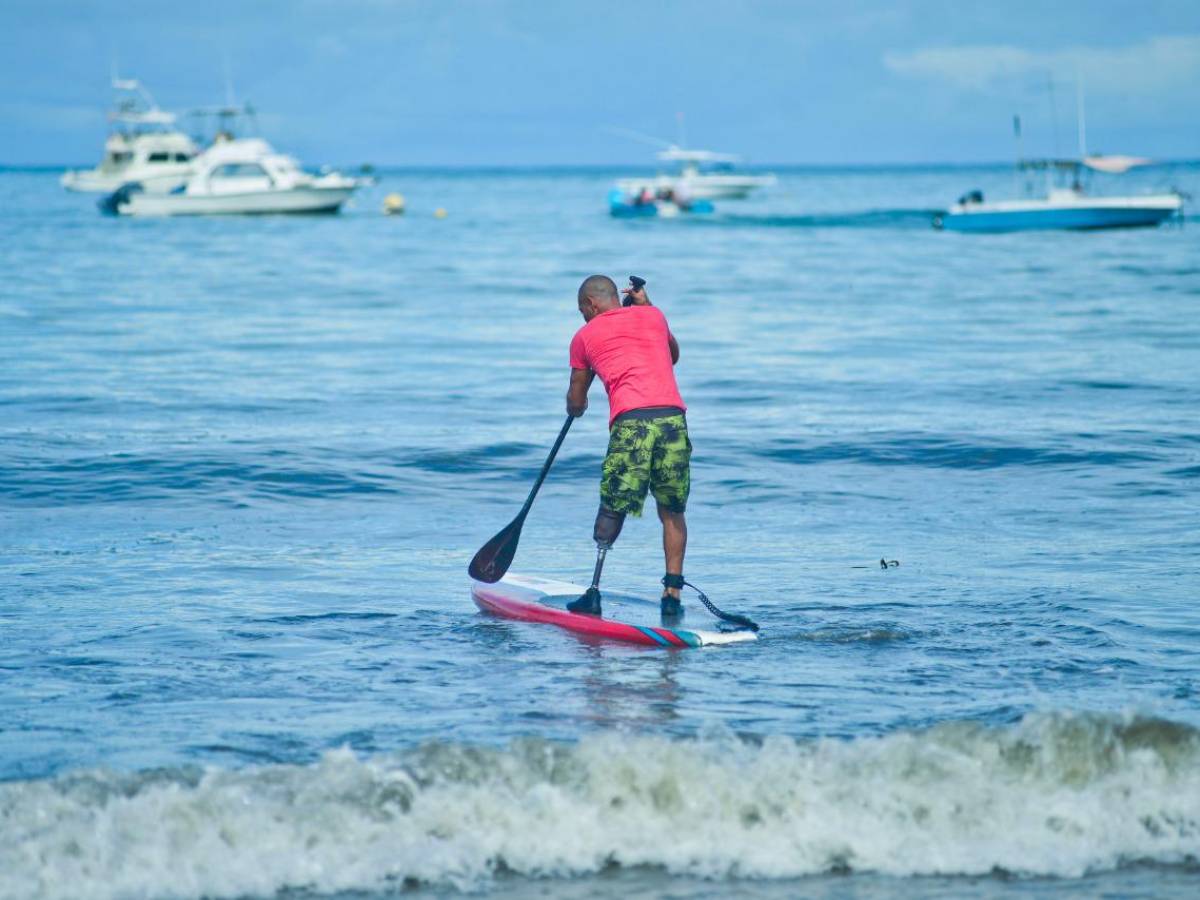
{"x": 1058, "y": 795}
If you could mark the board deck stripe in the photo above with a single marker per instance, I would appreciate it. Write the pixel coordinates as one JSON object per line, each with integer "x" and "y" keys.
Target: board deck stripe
{"x": 653, "y": 633}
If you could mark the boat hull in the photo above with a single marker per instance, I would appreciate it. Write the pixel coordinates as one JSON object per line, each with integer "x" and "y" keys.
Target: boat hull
{"x": 623, "y": 208}
{"x": 659, "y": 208}
{"x": 633, "y": 210}
{"x": 90, "y": 181}
{"x": 1117, "y": 212}
{"x": 703, "y": 187}
{"x": 294, "y": 200}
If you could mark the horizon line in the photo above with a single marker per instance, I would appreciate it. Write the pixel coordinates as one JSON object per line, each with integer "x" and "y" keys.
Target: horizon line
{"x": 583, "y": 167}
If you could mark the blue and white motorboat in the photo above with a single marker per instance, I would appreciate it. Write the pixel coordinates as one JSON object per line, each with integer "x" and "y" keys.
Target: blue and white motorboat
{"x": 1067, "y": 203}
{"x": 645, "y": 204}
{"x": 1063, "y": 207}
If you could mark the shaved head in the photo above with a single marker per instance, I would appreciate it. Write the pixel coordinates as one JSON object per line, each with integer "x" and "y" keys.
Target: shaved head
{"x": 600, "y": 288}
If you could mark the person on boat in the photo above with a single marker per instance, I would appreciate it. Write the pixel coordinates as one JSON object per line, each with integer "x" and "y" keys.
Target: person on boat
{"x": 681, "y": 196}
{"x": 633, "y": 351}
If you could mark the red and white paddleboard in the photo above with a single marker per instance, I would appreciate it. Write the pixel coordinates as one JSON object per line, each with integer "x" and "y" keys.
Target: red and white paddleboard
{"x": 528, "y": 598}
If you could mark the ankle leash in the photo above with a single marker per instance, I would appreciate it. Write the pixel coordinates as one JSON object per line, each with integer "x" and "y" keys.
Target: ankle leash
{"x": 677, "y": 581}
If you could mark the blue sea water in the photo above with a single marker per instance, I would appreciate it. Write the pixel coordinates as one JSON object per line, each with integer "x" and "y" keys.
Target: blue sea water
{"x": 244, "y": 462}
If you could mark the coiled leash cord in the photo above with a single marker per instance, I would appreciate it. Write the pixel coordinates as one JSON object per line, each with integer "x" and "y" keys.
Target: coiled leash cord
{"x": 678, "y": 582}
{"x": 883, "y": 564}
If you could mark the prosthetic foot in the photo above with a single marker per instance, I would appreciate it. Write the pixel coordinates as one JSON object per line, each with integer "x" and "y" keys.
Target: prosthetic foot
{"x": 588, "y": 603}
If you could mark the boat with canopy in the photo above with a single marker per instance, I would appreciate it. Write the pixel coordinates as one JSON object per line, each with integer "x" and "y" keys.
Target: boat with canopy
{"x": 700, "y": 175}
{"x": 1068, "y": 203}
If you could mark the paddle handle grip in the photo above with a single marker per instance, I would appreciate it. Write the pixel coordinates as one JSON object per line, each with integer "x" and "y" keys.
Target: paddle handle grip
{"x": 637, "y": 283}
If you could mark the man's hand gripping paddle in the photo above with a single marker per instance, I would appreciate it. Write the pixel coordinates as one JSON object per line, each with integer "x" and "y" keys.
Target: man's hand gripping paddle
{"x": 494, "y": 557}
{"x": 635, "y": 284}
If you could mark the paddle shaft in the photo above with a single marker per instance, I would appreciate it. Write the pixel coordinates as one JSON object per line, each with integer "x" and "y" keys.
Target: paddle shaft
{"x": 494, "y": 557}
{"x": 546, "y": 468}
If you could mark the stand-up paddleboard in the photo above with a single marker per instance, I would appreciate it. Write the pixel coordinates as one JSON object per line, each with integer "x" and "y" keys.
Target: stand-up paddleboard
{"x": 634, "y": 620}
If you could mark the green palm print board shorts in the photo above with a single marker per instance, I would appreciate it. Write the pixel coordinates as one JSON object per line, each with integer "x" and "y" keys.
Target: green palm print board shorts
{"x": 647, "y": 454}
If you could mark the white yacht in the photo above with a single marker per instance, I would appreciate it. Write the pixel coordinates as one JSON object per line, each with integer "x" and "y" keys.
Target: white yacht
{"x": 701, "y": 175}
{"x": 239, "y": 176}
{"x": 143, "y": 146}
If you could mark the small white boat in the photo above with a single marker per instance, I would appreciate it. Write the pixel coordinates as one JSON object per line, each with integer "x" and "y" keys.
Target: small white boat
{"x": 142, "y": 147}
{"x": 238, "y": 177}
{"x": 1064, "y": 207}
{"x": 702, "y": 175}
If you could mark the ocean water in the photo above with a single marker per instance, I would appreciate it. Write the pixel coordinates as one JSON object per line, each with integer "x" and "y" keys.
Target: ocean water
{"x": 244, "y": 463}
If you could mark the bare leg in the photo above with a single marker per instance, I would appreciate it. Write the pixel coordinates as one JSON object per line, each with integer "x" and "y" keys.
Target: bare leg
{"x": 674, "y": 542}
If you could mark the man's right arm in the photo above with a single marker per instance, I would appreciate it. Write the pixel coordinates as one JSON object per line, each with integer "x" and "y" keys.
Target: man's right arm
{"x": 641, "y": 298}
{"x": 581, "y": 380}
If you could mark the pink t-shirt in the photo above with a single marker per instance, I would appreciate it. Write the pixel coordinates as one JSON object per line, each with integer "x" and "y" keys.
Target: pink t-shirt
{"x": 627, "y": 347}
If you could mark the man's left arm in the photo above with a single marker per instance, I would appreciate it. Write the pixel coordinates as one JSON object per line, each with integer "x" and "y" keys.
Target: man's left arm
{"x": 674, "y": 347}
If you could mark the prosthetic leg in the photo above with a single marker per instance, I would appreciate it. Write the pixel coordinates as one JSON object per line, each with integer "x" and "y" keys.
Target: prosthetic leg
{"x": 608, "y": 527}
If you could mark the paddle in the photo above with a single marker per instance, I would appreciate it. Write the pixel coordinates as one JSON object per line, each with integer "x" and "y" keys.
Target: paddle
{"x": 494, "y": 557}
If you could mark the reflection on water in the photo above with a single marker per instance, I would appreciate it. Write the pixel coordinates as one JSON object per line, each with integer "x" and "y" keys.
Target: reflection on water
{"x": 629, "y": 688}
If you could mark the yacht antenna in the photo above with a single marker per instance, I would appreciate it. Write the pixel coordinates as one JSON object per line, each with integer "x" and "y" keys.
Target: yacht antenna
{"x": 638, "y": 136}
{"x": 1079, "y": 112}
{"x": 682, "y": 129}
{"x": 229, "y": 101}
{"x": 1020, "y": 152}
{"x": 1053, "y": 110}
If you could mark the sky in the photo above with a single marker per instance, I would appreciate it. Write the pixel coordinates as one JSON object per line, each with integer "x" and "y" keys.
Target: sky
{"x": 561, "y": 82}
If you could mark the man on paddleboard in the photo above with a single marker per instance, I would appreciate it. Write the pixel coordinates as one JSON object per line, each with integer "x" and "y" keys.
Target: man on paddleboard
{"x": 633, "y": 351}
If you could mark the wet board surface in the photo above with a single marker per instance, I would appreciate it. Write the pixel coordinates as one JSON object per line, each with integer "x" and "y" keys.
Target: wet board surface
{"x": 634, "y": 620}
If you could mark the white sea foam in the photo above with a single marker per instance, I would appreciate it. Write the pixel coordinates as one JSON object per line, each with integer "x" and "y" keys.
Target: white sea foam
{"x": 1053, "y": 795}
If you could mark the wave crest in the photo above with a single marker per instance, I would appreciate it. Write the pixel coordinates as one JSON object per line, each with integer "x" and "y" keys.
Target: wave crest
{"x": 1059, "y": 795}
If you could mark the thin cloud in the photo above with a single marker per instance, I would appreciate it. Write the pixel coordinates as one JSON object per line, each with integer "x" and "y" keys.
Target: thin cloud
{"x": 1157, "y": 65}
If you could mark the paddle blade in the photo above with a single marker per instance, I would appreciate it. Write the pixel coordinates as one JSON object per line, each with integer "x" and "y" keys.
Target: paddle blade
{"x": 494, "y": 557}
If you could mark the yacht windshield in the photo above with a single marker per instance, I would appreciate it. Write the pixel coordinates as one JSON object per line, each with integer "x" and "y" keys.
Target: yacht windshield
{"x": 239, "y": 170}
